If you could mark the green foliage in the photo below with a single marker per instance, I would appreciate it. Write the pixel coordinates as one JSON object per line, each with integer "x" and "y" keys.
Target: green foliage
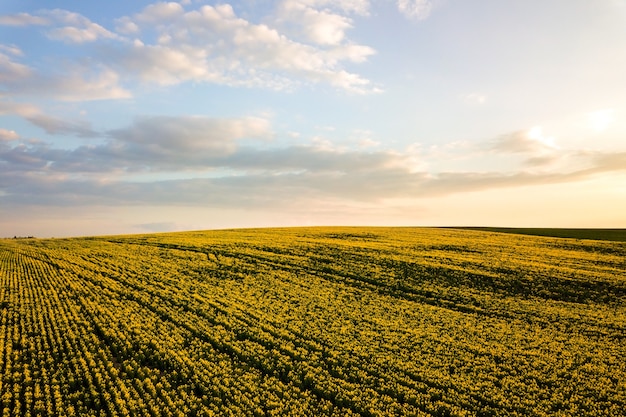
{"x": 313, "y": 322}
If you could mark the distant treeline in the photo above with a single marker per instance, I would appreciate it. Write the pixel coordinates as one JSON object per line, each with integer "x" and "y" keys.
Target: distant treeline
{"x": 615, "y": 235}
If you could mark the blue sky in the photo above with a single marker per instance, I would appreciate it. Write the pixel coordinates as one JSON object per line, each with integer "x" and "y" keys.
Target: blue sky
{"x": 142, "y": 116}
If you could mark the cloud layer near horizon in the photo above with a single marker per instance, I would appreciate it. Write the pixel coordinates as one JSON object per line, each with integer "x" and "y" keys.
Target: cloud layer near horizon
{"x": 201, "y": 161}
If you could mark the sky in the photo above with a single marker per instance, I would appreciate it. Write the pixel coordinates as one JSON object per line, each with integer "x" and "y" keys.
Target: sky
{"x": 137, "y": 116}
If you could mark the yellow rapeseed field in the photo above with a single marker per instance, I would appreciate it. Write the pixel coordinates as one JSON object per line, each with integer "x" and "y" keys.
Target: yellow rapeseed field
{"x": 313, "y": 322}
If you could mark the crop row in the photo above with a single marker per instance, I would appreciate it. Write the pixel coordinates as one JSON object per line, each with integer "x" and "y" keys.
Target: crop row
{"x": 369, "y": 322}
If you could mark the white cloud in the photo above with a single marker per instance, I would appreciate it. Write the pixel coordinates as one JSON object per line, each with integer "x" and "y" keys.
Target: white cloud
{"x": 360, "y": 178}
{"x": 212, "y": 44}
{"x": 204, "y": 161}
{"x": 360, "y": 7}
{"x": 192, "y": 133}
{"x": 77, "y": 29}
{"x": 68, "y": 82}
{"x": 368, "y": 143}
{"x": 349, "y": 82}
{"x": 79, "y": 83}
{"x": 165, "y": 65}
{"x": 11, "y": 71}
{"x": 178, "y": 143}
{"x": 71, "y": 27}
{"x": 533, "y": 141}
{"x": 160, "y": 13}
{"x": 75, "y": 86}
{"x": 415, "y": 9}
{"x": 11, "y": 49}
{"x": 56, "y": 126}
{"x": 7, "y": 135}
{"x": 536, "y": 133}
{"x": 74, "y": 34}
{"x": 475, "y": 98}
{"x": 318, "y": 26}
{"x": 20, "y": 109}
{"x": 23, "y": 19}
{"x": 126, "y": 26}
{"x": 209, "y": 44}
{"x": 50, "y": 124}
{"x": 363, "y": 138}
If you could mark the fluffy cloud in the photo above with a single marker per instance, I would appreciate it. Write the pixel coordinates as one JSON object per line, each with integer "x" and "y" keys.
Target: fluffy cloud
{"x": 194, "y": 144}
{"x": 70, "y": 83}
{"x": 100, "y": 85}
{"x": 80, "y": 35}
{"x": 7, "y": 135}
{"x": 77, "y": 84}
{"x": 50, "y": 124}
{"x": 415, "y": 9}
{"x": 160, "y": 13}
{"x": 532, "y": 141}
{"x": 11, "y": 49}
{"x": 213, "y": 44}
{"x": 260, "y": 189}
{"x": 56, "y": 126}
{"x": 71, "y": 27}
{"x": 11, "y": 71}
{"x": 311, "y": 159}
{"x": 318, "y": 26}
{"x": 16, "y": 108}
{"x": 125, "y": 26}
{"x": 537, "y": 149}
{"x": 77, "y": 29}
{"x": 153, "y": 144}
{"x": 23, "y": 19}
{"x": 165, "y": 44}
{"x": 360, "y": 7}
{"x": 183, "y": 142}
{"x": 208, "y": 165}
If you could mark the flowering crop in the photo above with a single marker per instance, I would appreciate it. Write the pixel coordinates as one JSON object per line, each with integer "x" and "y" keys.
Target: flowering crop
{"x": 313, "y": 321}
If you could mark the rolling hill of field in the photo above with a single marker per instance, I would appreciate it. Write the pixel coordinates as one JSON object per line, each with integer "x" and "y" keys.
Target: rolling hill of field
{"x": 313, "y": 322}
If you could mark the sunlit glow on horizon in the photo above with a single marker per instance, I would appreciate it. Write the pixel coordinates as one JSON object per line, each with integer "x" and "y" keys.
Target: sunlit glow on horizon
{"x": 601, "y": 120}
{"x": 536, "y": 134}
